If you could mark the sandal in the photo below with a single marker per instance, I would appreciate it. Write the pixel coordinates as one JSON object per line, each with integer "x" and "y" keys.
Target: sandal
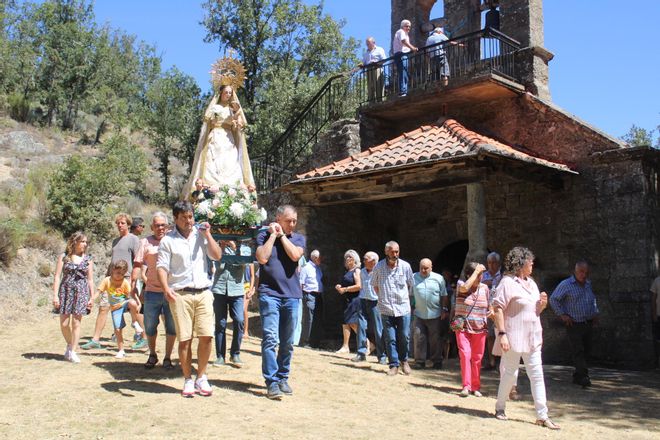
{"x": 151, "y": 362}
{"x": 500, "y": 415}
{"x": 167, "y": 364}
{"x": 547, "y": 423}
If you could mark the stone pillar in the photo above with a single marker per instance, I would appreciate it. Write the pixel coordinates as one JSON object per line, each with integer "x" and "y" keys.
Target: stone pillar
{"x": 476, "y": 217}
{"x": 522, "y": 20}
{"x": 462, "y": 16}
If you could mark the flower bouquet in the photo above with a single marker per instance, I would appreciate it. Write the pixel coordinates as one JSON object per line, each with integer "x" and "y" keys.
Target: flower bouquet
{"x": 232, "y": 211}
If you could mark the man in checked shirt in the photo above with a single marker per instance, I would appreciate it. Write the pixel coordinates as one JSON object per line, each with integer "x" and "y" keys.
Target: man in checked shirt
{"x": 392, "y": 281}
{"x": 575, "y": 304}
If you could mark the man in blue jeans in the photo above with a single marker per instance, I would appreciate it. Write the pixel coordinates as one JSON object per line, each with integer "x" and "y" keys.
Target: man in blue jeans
{"x": 228, "y": 296}
{"x": 369, "y": 315}
{"x": 278, "y": 251}
{"x": 392, "y": 280}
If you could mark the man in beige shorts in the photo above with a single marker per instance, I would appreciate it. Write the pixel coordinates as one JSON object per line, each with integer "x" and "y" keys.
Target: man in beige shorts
{"x": 183, "y": 272}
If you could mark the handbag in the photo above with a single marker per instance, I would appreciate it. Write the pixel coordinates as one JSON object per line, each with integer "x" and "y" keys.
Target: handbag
{"x": 458, "y": 323}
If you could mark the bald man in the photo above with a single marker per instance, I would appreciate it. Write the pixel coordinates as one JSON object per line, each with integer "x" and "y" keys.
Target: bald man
{"x": 431, "y": 306}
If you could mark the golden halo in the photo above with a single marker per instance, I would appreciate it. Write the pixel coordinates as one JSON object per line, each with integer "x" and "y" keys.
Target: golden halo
{"x": 227, "y": 71}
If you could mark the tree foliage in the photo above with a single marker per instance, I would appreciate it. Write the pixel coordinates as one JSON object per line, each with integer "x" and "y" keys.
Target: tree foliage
{"x": 82, "y": 193}
{"x": 288, "y": 48}
{"x": 638, "y": 136}
{"x": 172, "y": 119}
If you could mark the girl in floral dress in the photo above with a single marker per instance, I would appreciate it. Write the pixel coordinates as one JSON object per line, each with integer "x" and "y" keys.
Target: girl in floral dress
{"x": 73, "y": 291}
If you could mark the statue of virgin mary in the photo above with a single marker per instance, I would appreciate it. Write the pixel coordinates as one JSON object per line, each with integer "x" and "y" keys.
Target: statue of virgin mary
{"x": 221, "y": 157}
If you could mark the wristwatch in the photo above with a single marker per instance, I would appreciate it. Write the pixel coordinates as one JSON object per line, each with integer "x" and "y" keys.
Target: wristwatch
{"x": 501, "y": 333}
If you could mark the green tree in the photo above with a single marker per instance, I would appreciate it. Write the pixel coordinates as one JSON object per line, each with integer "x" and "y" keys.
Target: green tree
{"x": 173, "y": 110}
{"x": 83, "y": 192}
{"x": 638, "y": 136}
{"x": 288, "y": 49}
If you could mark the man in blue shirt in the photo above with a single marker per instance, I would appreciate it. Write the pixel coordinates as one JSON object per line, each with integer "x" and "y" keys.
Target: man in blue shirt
{"x": 278, "y": 251}
{"x": 575, "y": 304}
{"x": 438, "y": 57}
{"x": 431, "y": 305}
{"x": 372, "y": 56}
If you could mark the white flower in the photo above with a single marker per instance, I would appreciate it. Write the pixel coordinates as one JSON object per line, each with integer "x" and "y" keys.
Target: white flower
{"x": 264, "y": 214}
{"x": 204, "y": 207}
{"x": 215, "y": 203}
{"x": 231, "y": 192}
{"x": 236, "y": 209}
{"x": 211, "y": 214}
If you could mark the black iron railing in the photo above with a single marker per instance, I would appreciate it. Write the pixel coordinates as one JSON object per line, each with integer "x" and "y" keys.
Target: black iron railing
{"x": 465, "y": 57}
{"x": 462, "y": 58}
{"x": 335, "y": 100}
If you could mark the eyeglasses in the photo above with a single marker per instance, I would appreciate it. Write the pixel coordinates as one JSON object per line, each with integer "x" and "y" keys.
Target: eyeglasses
{"x": 160, "y": 225}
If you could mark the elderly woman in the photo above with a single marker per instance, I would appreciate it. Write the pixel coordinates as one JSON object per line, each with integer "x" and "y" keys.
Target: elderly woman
{"x": 518, "y": 305}
{"x": 472, "y": 305}
{"x": 349, "y": 288}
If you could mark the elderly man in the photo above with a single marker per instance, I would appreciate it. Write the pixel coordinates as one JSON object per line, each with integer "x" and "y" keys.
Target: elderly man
{"x": 155, "y": 303}
{"x": 312, "y": 288}
{"x": 369, "y": 316}
{"x": 279, "y": 249}
{"x": 183, "y": 260}
{"x": 575, "y": 303}
{"x": 125, "y": 247}
{"x": 491, "y": 278}
{"x": 431, "y": 306}
{"x": 372, "y": 56}
{"x": 392, "y": 280}
{"x": 438, "y": 57}
{"x": 401, "y": 47}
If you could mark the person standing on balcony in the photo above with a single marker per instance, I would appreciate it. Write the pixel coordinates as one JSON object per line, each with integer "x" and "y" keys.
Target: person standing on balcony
{"x": 438, "y": 57}
{"x": 401, "y": 47}
{"x": 372, "y": 56}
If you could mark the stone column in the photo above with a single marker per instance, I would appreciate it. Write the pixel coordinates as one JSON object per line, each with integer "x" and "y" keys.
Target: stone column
{"x": 476, "y": 216}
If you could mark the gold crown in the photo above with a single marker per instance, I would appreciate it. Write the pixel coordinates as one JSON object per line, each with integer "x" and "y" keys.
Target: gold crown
{"x": 227, "y": 71}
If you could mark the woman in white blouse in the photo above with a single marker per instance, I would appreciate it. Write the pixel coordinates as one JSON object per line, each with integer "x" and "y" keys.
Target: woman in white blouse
{"x": 518, "y": 305}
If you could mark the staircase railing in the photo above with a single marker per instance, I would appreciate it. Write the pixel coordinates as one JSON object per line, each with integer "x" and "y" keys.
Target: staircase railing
{"x": 465, "y": 57}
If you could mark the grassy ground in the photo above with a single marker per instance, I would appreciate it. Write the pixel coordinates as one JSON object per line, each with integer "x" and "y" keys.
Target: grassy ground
{"x": 42, "y": 396}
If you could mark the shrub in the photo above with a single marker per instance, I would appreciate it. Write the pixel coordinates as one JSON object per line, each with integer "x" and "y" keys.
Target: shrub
{"x": 47, "y": 240}
{"x": 12, "y": 234}
{"x": 44, "y": 270}
{"x": 19, "y": 107}
{"x": 82, "y": 192}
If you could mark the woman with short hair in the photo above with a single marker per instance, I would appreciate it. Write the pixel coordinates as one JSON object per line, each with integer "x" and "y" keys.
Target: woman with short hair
{"x": 518, "y": 305}
{"x": 349, "y": 288}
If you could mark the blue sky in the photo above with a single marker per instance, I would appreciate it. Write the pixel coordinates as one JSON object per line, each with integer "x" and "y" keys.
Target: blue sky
{"x": 605, "y": 71}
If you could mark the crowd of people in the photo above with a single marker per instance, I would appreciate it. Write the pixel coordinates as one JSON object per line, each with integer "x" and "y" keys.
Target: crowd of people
{"x": 178, "y": 275}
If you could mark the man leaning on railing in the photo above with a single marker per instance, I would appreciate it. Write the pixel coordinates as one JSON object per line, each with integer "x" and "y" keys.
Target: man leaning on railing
{"x": 375, "y": 81}
{"x": 437, "y": 56}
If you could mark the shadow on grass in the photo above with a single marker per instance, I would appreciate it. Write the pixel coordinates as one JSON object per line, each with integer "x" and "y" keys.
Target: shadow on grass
{"x": 428, "y": 386}
{"x": 141, "y": 386}
{"x": 44, "y": 356}
{"x": 467, "y": 411}
{"x": 362, "y": 366}
{"x": 241, "y": 387}
{"x": 122, "y": 370}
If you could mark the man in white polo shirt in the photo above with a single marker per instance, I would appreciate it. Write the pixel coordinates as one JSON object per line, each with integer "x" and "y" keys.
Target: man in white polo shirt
{"x": 183, "y": 272}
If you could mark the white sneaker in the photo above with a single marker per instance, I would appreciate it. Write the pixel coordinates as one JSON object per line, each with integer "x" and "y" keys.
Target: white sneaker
{"x": 188, "y": 388}
{"x": 73, "y": 357}
{"x": 465, "y": 392}
{"x": 121, "y": 354}
{"x": 136, "y": 326}
{"x": 67, "y": 353}
{"x": 202, "y": 386}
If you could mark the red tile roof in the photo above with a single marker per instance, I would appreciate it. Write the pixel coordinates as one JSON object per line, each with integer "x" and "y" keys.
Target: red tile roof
{"x": 447, "y": 139}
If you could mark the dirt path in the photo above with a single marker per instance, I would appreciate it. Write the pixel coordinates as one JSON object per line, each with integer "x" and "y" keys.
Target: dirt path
{"x": 42, "y": 396}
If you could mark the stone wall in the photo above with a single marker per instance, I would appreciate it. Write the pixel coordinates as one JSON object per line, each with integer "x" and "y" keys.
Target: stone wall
{"x": 607, "y": 214}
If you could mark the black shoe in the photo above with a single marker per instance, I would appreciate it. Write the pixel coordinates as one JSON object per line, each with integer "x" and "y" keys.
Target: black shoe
{"x": 284, "y": 387}
{"x": 359, "y": 358}
{"x": 419, "y": 366}
{"x": 437, "y": 365}
{"x": 274, "y": 392}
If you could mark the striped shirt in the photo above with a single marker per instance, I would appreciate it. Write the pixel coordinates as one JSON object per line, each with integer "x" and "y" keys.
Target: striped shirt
{"x": 394, "y": 287}
{"x": 518, "y": 300}
{"x": 575, "y": 300}
{"x": 477, "y": 320}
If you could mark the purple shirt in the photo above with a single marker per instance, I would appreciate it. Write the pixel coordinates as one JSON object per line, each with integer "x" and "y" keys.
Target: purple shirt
{"x": 279, "y": 276}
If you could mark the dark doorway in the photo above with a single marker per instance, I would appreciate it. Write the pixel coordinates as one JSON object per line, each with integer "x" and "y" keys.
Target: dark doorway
{"x": 451, "y": 257}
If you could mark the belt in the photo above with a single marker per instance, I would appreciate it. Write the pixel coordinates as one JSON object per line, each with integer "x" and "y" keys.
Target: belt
{"x": 192, "y": 290}
{"x": 312, "y": 293}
